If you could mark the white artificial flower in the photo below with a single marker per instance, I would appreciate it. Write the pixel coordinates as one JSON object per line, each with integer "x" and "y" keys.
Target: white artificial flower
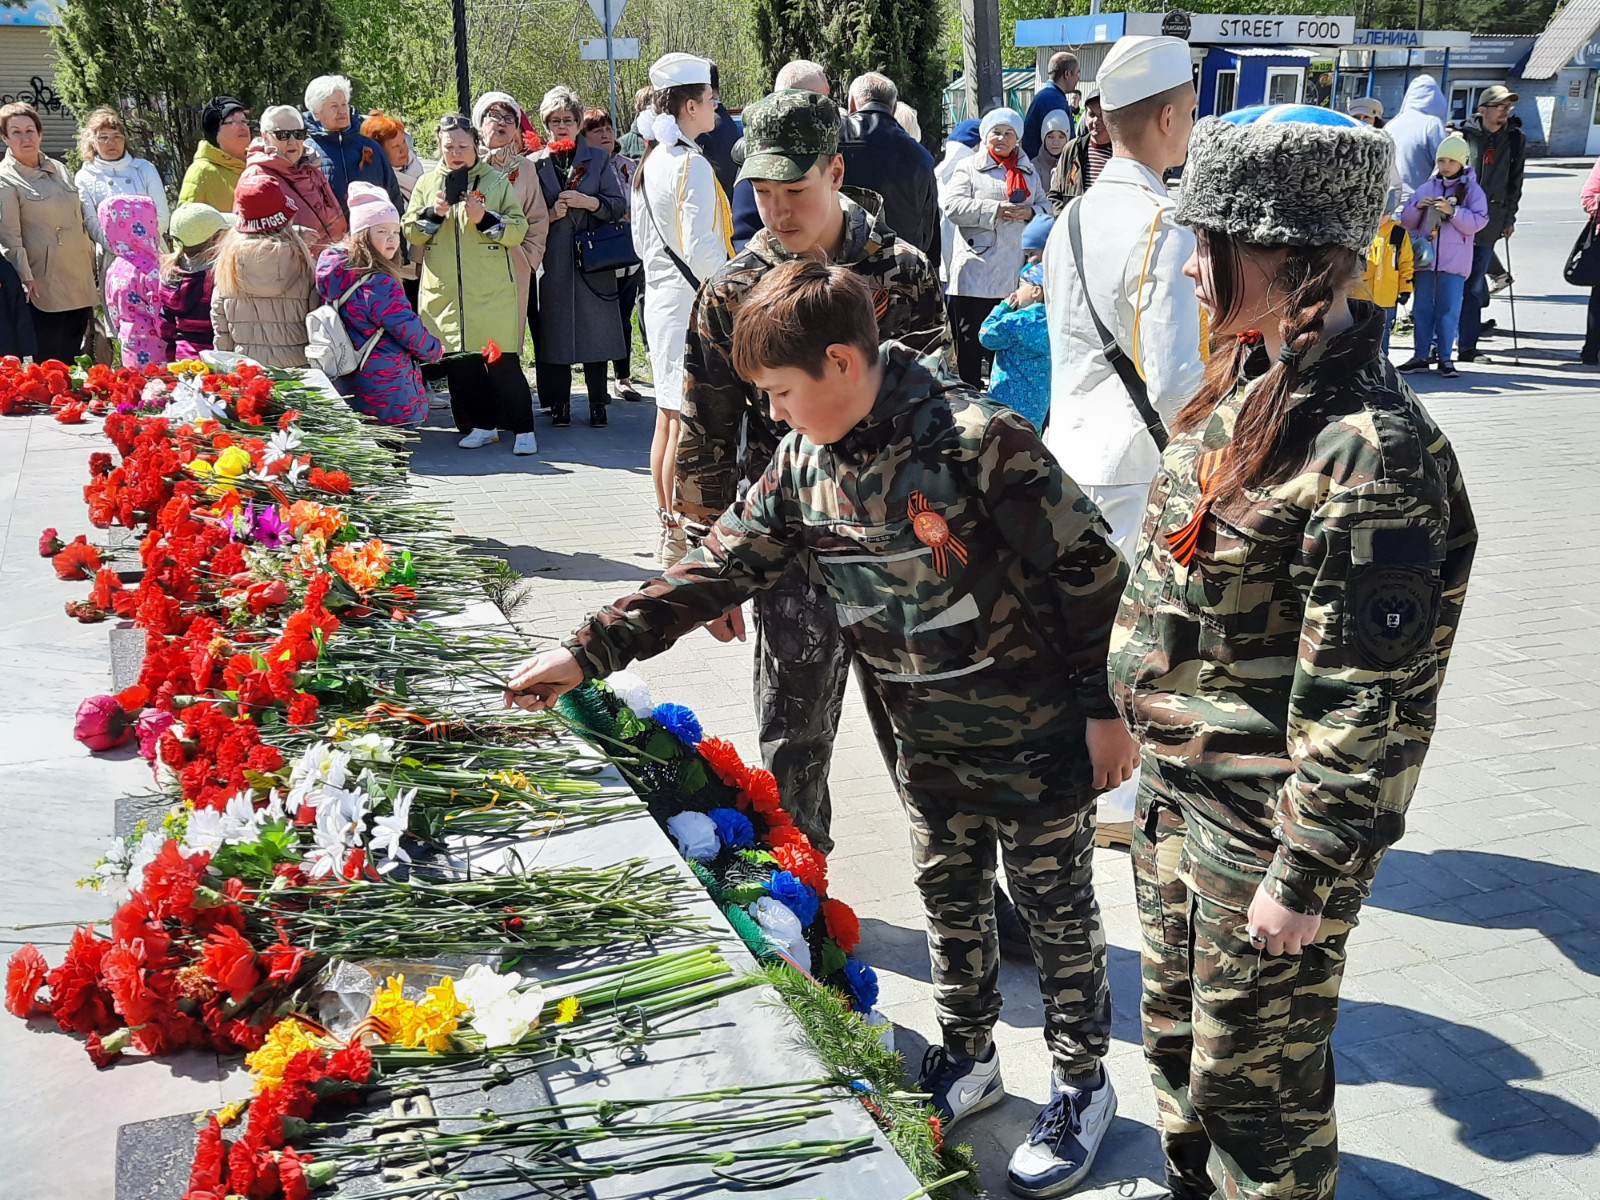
{"x": 190, "y": 402}
{"x": 778, "y": 922}
{"x": 283, "y": 443}
{"x": 502, "y": 1011}
{"x": 696, "y": 835}
{"x": 633, "y": 691}
{"x": 295, "y": 471}
{"x": 387, "y": 831}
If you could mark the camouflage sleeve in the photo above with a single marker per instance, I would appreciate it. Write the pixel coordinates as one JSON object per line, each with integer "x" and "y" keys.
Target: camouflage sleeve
{"x": 1057, "y": 530}
{"x": 746, "y": 550}
{"x": 913, "y": 311}
{"x": 1391, "y": 574}
{"x": 715, "y": 400}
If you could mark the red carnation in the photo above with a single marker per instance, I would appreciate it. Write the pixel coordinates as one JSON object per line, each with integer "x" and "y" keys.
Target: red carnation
{"x": 210, "y": 1156}
{"x": 353, "y": 1064}
{"x": 230, "y": 963}
{"x": 329, "y": 481}
{"x": 842, "y": 924}
{"x": 98, "y": 1053}
{"x": 77, "y": 999}
{"x": 76, "y": 560}
{"x": 303, "y": 709}
{"x": 49, "y": 544}
{"x": 25, "y": 975}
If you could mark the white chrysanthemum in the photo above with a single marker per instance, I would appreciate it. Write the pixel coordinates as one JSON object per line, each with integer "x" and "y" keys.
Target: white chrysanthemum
{"x": 322, "y": 763}
{"x": 203, "y": 831}
{"x": 387, "y": 831}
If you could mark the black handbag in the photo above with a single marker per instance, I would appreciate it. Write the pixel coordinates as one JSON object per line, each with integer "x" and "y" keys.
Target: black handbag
{"x": 607, "y": 247}
{"x": 1583, "y": 264}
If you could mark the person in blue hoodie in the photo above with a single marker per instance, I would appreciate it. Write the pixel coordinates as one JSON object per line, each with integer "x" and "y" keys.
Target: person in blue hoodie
{"x": 1416, "y": 130}
{"x": 347, "y": 155}
{"x": 1017, "y": 333}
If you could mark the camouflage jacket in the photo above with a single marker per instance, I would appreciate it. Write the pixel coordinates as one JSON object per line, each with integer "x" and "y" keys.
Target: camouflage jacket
{"x": 1283, "y": 684}
{"x": 970, "y": 575}
{"x": 728, "y": 437}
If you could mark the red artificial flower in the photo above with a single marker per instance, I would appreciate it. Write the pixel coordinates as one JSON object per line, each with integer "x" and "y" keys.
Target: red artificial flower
{"x": 806, "y": 865}
{"x": 230, "y": 963}
{"x": 76, "y": 559}
{"x": 723, "y": 759}
{"x": 49, "y": 544}
{"x": 842, "y": 924}
{"x": 288, "y": 417}
{"x": 99, "y": 464}
{"x": 491, "y": 352}
{"x": 25, "y": 975}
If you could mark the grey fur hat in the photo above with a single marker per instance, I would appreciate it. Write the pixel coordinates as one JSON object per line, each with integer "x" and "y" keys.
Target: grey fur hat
{"x": 1289, "y": 174}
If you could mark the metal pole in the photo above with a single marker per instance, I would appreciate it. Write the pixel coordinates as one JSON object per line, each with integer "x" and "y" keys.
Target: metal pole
{"x": 458, "y": 21}
{"x": 1444, "y": 81}
{"x": 611, "y": 65}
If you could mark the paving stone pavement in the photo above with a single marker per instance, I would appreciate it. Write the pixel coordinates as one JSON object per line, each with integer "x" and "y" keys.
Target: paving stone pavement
{"x": 1471, "y": 1024}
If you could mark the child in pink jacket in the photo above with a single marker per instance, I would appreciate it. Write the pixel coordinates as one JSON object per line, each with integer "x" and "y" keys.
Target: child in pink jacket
{"x": 133, "y": 280}
{"x": 1445, "y": 213}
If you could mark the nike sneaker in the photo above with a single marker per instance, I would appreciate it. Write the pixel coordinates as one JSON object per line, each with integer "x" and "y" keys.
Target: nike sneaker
{"x": 959, "y": 1087}
{"x": 1059, "y": 1151}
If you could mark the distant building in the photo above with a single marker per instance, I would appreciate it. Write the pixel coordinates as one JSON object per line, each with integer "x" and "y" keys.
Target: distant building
{"x": 28, "y": 71}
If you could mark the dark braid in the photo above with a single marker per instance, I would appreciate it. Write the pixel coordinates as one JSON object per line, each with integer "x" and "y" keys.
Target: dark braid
{"x": 1309, "y": 279}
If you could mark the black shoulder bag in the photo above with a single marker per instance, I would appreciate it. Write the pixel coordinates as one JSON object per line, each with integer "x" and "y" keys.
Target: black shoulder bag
{"x": 683, "y": 267}
{"x": 1120, "y": 362}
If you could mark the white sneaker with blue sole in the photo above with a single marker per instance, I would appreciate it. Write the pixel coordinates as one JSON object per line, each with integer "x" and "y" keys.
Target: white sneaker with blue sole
{"x": 957, "y": 1086}
{"x": 1060, "y": 1149}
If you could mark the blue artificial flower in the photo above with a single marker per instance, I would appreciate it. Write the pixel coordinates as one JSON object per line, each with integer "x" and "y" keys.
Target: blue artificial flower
{"x": 680, "y": 722}
{"x": 793, "y": 895}
{"x": 733, "y": 827}
{"x": 863, "y": 984}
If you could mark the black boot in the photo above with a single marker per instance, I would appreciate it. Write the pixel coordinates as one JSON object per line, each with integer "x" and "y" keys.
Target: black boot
{"x": 561, "y": 410}
{"x": 1013, "y": 929}
{"x": 597, "y": 414}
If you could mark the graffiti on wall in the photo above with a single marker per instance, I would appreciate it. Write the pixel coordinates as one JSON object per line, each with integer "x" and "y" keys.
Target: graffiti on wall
{"x": 41, "y": 95}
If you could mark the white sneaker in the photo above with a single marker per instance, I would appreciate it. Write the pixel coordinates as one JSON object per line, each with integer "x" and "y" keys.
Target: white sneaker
{"x": 527, "y": 443}
{"x": 1060, "y": 1148}
{"x": 479, "y": 437}
{"x": 958, "y": 1087}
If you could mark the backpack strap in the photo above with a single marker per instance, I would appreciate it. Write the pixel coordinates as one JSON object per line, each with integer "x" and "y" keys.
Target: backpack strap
{"x": 371, "y": 344}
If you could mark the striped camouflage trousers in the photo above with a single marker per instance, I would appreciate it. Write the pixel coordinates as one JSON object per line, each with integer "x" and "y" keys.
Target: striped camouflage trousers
{"x": 1236, "y": 1040}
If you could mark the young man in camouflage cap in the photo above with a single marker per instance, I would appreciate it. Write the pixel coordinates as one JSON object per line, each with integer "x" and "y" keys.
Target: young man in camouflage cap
{"x": 728, "y": 438}
{"x": 977, "y": 585}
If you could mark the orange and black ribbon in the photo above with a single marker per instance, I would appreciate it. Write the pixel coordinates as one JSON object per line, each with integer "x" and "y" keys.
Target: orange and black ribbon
{"x": 1183, "y": 540}
{"x": 434, "y": 731}
{"x": 933, "y": 531}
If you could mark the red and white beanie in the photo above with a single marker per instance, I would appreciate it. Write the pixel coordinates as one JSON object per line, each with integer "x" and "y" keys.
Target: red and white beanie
{"x": 262, "y": 205}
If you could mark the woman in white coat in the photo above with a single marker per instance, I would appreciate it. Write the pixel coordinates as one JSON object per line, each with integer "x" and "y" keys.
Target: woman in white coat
{"x": 682, "y": 230}
{"x": 991, "y": 197}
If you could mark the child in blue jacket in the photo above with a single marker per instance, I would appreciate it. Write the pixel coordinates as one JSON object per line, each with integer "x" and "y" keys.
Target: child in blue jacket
{"x": 1016, "y": 332}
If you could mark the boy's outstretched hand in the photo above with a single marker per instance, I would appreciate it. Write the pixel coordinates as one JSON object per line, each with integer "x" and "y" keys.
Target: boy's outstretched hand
{"x": 1112, "y": 751}
{"x": 538, "y": 682}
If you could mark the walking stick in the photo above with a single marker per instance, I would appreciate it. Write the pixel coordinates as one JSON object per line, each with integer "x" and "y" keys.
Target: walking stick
{"x": 1511, "y": 289}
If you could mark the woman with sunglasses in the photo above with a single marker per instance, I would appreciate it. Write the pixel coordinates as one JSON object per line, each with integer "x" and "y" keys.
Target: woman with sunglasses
{"x": 465, "y": 214}
{"x": 281, "y": 152}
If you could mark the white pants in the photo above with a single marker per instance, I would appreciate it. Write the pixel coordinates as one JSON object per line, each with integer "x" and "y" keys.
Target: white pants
{"x": 1123, "y": 506}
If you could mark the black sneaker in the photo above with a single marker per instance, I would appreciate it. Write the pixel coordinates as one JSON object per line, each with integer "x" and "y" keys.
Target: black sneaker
{"x": 1413, "y": 364}
{"x": 958, "y": 1087}
{"x": 1467, "y": 356}
{"x": 1060, "y": 1148}
{"x": 1013, "y": 929}
{"x": 597, "y": 415}
{"x": 1448, "y": 370}
{"x": 561, "y": 414}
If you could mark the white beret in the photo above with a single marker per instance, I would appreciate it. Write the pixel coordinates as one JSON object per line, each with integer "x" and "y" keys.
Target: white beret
{"x": 677, "y": 68}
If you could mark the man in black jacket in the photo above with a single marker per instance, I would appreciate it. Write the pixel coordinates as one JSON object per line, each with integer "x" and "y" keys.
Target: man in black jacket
{"x": 717, "y": 145}
{"x": 1499, "y": 155}
{"x": 882, "y": 157}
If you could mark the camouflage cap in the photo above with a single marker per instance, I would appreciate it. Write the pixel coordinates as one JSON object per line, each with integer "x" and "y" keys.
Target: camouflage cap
{"x": 786, "y": 132}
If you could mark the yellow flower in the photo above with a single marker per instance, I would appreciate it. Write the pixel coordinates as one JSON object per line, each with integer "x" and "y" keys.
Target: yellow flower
{"x": 566, "y": 1011}
{"x": 411, "y": 1023}
{"x": 284, "y": 1040}
{"x": 229, "y": 1113}
{"x": 232, "y": 462}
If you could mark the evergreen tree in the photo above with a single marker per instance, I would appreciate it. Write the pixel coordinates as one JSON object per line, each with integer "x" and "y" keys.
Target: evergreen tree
{"x": 159, "y": 61}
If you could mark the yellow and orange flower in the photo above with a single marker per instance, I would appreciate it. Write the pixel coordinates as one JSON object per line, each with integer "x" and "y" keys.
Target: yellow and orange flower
{"x": 319, "y": 520}
{"x": 284, "y": 1040}
{"x": 411, "y": 1023}
{"x": 361, "y": 566}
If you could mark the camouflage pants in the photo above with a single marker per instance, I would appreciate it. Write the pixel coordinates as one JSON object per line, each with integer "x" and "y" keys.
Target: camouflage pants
{"x": 1236, "y": 1040}
{"x": 801, "y": 665}
{"x": 1049, "y": 864}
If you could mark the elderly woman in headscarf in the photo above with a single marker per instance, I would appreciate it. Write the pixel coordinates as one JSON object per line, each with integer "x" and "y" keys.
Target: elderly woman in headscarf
{"x": 498, "y": 119}
{"x": 1054, "y": 135}
{"x": 992, "y": 195}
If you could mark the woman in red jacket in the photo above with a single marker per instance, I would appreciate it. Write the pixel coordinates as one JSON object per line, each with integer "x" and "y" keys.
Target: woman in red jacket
{"x": 281, "y": 152}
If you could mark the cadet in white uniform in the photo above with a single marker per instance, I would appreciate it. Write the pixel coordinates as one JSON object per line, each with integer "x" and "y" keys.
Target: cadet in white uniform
{"x": 1133, "y": 260}
{"x": 1133, "y": 257}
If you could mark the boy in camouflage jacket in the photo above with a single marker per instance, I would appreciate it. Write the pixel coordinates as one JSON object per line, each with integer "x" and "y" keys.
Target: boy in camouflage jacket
{"x": 977, "y": 584}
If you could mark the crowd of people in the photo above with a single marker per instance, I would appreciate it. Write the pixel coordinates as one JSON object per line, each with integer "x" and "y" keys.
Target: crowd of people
{"x": 1110, "y": 498}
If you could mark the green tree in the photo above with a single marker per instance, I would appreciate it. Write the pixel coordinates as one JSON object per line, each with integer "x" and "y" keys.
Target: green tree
{"x": 900, "y": 38}
{"x": 159, "y": 61}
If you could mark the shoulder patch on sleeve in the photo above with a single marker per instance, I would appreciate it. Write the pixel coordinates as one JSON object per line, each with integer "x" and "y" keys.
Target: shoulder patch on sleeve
{"x": 1391, "y": 613}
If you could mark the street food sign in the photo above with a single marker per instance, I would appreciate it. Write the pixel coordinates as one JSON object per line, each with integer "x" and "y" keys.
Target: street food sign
{"x": 1237, "y": 29}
